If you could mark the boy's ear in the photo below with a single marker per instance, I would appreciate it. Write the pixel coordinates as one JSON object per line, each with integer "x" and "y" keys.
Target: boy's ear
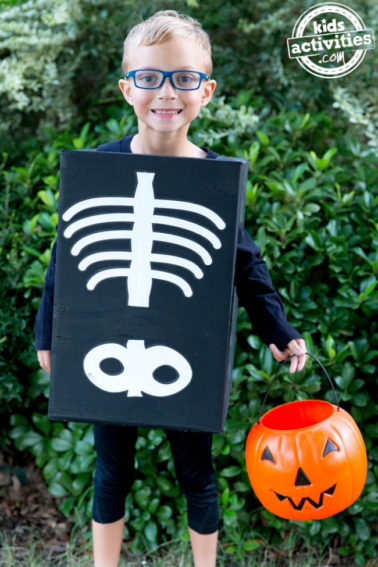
{"x": 208, "y": 92}
{"x": 126, "y": 90}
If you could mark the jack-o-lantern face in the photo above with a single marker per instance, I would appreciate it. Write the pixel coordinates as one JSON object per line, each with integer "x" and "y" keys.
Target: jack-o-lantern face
{"x": 306, "y": 460}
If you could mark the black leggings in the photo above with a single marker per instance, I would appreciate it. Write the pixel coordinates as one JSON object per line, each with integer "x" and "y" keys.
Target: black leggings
{"x": 114, "y": 477}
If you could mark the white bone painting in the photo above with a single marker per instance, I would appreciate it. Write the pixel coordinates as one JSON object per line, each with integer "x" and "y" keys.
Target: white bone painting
{"x": 138, "y": 271}
{"x": 139, "y": 364}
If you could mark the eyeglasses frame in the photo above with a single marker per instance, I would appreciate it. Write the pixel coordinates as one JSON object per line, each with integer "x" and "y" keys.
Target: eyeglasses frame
{"x": 165, "y": 75}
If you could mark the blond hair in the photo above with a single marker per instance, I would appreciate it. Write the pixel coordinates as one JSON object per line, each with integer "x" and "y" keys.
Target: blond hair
{"x": 165, "y": 26}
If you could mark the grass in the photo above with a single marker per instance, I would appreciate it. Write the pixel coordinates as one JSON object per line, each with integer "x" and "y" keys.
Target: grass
{"x": 176, "y": 553}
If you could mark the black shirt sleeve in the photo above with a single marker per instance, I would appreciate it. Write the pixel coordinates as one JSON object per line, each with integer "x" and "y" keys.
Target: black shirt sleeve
{"x": 44, "y": 317}
{"x": 256, "y": 294}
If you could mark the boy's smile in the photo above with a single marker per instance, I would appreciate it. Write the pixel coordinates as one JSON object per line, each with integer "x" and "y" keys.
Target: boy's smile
{"x": 167, "y": 112}
{"x": 164, "y": 114}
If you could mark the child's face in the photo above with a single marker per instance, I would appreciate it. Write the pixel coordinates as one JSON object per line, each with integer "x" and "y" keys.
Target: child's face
{"x": 170, "y": 56}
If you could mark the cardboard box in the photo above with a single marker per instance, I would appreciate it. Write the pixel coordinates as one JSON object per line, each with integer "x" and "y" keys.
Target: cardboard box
{"x": 145, "y": 306}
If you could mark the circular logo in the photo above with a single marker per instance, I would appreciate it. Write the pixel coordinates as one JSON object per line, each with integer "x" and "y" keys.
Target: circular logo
{"x": 330, "y": 40}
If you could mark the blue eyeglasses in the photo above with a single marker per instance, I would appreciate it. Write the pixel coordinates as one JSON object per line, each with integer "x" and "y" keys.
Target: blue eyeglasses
{"x": 182, "y": 79}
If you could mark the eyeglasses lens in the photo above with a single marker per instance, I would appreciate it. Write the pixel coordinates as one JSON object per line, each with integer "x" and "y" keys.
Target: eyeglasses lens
{"x": 182, "y": 79}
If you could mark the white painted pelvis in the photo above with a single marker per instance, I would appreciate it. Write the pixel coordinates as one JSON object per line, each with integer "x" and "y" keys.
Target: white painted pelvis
{"x": 139, "y": 363}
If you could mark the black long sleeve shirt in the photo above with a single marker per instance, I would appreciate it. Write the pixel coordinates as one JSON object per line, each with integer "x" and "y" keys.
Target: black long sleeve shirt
{"x": 252, "y": 280}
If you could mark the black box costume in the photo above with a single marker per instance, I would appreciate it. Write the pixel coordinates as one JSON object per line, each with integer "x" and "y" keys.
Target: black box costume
{"x": 145, "y": 307}
{"x": 265, "y": 308}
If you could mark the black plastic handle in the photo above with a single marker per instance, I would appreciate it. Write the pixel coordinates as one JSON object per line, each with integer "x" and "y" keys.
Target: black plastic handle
{"x": 278, "y": 369}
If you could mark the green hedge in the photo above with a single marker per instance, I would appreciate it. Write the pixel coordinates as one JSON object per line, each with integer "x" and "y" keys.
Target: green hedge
{"x": 312, "y": 201}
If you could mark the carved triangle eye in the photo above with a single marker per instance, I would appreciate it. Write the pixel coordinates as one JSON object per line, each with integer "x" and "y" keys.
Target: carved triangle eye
{"x": 267, "y": 455}
{"x": 330, "y": 446}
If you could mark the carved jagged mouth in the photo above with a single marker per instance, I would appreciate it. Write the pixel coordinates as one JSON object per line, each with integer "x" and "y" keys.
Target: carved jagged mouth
{"x": 329, "y": 491}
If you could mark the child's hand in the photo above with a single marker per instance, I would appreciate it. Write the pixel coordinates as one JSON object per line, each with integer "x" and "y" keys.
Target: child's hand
{"x": 44, "y": 359}
{"x": 296, "y": 346}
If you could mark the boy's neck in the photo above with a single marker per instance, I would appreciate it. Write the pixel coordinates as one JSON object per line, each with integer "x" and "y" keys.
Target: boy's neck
{"x": 141, "y": 144}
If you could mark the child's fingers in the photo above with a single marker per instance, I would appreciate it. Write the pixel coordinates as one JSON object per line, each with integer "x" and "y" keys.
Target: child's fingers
{"x": 44, "y": 359}
{"x": 293, "y": 348}
{"x": 41, "y": 360}
{"x": 278, "y": 354}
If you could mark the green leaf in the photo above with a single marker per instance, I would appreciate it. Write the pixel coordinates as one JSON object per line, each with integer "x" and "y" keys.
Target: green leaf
{"x": 78, "y": 143}
{"x": 57, "y": 489}
{"x": 359, "y": 559}
{"x": 367, "y": 286}
{"x": 67, "y": 505}
{"x": 356, "y": 508}
{"x": 299, "y": 171}
{"x": 142, "y": 497}
{"x": 81, "y": 482}
{"x": 231, "y": 549}
{"x": 263, "y": 138}
{"x": 17, "y": 419}
{"x": 153, "y": 505}
{"x": 225, "y": 496}
{"x": 88, "y": 435}
{"x": 50, "y": 469}
{"x": 362, "y": 529}
{"x": 192, "y": 3}
{"x": 30, "y": 439}
{"x": 330, "y": 347}
{"x": 304, "y": 122}
{"x": 315, "y": 527}
{"x": 329, "y": 154}
{"x": 344, "y": 550}
{"x": 360, "y": 399}
{"x": 164, "y": 513}
{"x": 165, "y": 486}
{"x": 347, "y": 376}
{"x": 59, "y": 444}
{"x": 357, "y": 384}
{"x": 137, "y": 524}
{"x": 253, "y": 153}
{"x": 266, "y": 360}
{"x": 251, "y": 545}
{"x": 48, "y": 199}
{"x": 311, "y": 208}
{"x": 372, "y": 429}
{"x": 65, "y": 480}
{"x": 113, "y": 126}
{"x": 42, "y": 422}
{"x": 322, "y": 163}
{"x": 145, "y": 515}
{"x": 84, "y": 462}
{"x": 230, "y": 517}
{"x": 39, "y": 450}
{"x": 18, "y": 432}
{"x": 361, "y": 253}
{"x": 230, "y": 472}
{"x": 76, "y": 426}
{"x": 151, "y": 531}
{"x": 83, "y": 448}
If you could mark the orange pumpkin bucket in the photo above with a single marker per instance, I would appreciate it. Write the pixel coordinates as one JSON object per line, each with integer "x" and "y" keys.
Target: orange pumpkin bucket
{"x": 306, "y": 460}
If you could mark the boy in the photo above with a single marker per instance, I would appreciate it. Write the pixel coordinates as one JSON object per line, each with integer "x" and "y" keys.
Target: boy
{"x": 165, "y": 106}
